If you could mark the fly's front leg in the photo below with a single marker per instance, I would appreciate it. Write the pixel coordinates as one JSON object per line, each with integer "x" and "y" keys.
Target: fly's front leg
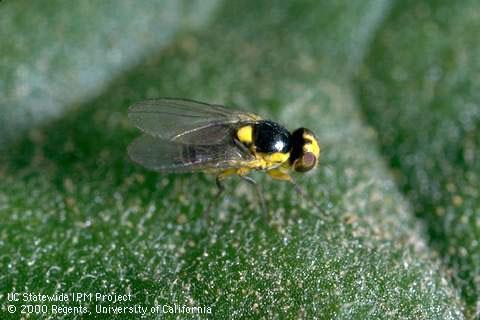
{"x": 280, "y": 174}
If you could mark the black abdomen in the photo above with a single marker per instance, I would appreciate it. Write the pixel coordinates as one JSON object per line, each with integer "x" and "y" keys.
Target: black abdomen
{"x": 270, "y": 137}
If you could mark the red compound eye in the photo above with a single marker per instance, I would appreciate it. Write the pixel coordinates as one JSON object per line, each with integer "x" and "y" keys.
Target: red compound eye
{"x": 308, "y": 159}
{"x": 307, "y": 162}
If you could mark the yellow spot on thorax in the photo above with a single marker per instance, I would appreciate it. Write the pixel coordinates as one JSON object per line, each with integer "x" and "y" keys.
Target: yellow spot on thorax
{"x": 245, "y": 134}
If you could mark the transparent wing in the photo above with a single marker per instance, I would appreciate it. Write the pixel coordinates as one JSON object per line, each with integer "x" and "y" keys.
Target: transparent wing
{"x": 180, "y": 120}
{"x": 170, "y": 156}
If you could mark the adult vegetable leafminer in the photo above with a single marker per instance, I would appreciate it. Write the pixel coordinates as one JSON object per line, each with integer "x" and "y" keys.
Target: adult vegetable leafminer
{"x": 181, "y": 135}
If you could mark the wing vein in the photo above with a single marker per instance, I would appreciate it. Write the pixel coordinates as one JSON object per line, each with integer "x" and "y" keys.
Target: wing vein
{"x": 186, "y": 121}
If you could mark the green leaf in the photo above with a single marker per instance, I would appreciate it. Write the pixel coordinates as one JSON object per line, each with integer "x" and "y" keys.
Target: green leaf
{"x": 420, "y": 89}
{"x": 79, "y": 217}
{"x": 62, "y": 54}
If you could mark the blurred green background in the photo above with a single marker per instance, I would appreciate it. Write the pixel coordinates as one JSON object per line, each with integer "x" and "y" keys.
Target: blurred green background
{"x": 390, "y": 88}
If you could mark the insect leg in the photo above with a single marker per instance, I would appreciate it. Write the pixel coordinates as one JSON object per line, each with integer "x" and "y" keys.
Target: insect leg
{"x": 220, "y": 190}
{"x": 298, "y": 189}
{"x": 304, "y": 196}
{"x": 220, "y": 186}
{"x": 279, "y": 174}
{"x": 261, "y": 199}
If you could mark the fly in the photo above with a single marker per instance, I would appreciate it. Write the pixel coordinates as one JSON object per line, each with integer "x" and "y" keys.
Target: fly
{"x": 181, "y": 135}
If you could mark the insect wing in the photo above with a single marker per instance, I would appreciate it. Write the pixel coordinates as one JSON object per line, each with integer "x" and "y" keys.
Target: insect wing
{"x": 186, "y": 121}
{"x": 170, "y": 156}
